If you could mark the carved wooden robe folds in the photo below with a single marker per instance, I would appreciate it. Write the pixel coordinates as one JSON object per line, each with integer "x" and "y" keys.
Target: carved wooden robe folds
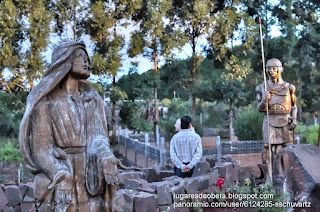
{"x": 63, "y": 138}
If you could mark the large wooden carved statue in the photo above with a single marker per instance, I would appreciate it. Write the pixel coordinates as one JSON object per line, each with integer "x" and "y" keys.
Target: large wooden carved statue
{"x": 63, "y": 137}
{"x": 280, "y": 100}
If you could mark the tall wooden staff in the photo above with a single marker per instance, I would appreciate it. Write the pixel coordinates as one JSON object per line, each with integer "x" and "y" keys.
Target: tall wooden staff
{"x": 267, "y": 105}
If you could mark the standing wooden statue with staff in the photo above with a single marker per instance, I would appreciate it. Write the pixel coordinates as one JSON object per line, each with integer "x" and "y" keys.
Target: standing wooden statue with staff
{"x": 277, "y": 99}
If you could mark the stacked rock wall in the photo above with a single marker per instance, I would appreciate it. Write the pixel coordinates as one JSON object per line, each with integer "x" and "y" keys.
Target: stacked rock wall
{"x": 17, "y": 198}
{"x": 158, "y": 190}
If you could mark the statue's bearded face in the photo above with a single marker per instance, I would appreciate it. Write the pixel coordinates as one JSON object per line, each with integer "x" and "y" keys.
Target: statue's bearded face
{"x": 80, "y": 66}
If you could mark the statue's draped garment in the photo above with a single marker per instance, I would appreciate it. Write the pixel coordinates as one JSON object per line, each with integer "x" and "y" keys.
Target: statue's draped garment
{"x": 63, "y": 132}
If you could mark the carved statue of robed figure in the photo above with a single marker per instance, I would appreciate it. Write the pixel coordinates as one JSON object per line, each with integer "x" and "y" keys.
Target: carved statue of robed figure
{"x": 280, "y": 100}
{"x": 63, "y": 137}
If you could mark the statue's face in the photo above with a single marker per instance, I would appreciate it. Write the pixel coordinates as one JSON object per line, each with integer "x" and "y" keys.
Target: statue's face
{"x": 80, "y": 65}
{"x": 274, "y": 72}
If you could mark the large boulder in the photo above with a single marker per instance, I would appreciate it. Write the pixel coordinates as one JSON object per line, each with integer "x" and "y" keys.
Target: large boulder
{"x": 165, "y": 173}
{"x": 28, "y": 206}
{"x": 245, "y": 173}
{"x": 152, "y": 175}
{"x": 145, "y": 202}
{"x": 13, "y": 194}
{"x": 163, "y": 192}
{"x": 24, "y": 188}
{"x": 29, "y": 195}
{"x": 201, "y": 168}
{"x": 213, "y": 177}
{"x": 297, "y": 168}
{"x": 222, "y": 168}
{"x": 134, "y": 184}
{"x": 228, "y": 170}
{"x": 191, "y": 185}
{"x": 178, "y": 189}
{"x": 203, "y": 182}
{"x": 123, "y": 201}
{"x": 3, "y": 200}
{"x": 211, "y": 160}
{"x": 124, "y": 176}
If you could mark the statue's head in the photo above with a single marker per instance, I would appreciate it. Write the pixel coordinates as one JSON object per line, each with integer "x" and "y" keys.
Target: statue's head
{"x": 274, "y": 68}
{"x": 70, "y": 57}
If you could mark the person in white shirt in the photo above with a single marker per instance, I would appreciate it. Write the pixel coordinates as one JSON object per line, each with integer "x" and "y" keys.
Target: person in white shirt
{"x": 185, "y": 148}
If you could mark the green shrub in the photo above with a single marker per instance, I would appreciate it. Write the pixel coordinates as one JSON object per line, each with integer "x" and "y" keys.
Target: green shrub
{"x": 10, "y": 151}
{"x": 248, "y": 124}
{"x": 267, "y": 189}
{"x": 167, "y": 126}
{"x": 127, "y": 111}
{"x": 215, "y": 116}
{"x": 141, "y": 125}
{"x": 130, "y": 114}
{"x": 176, "y": 109}
{"x": 11, "y": 113}
{"x": 310, "y": 133}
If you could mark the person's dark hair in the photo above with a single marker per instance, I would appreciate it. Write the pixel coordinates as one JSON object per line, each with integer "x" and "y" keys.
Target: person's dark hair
{"x": 185, "y": 122}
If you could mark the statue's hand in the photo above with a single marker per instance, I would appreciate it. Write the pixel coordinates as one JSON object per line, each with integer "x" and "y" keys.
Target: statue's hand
{"x": 266, "y": 96}
{"x": 293, "y": 124}
{"x": 62, "y": 182}
{"x": 110, "y": 171}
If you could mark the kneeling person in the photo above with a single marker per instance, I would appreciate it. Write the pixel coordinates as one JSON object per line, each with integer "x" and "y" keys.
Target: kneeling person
{"x": 185, "y": 149}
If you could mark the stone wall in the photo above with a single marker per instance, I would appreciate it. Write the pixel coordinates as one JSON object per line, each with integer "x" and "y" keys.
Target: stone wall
{"x": 157, "y": 189}
{"x": 151, "y": 189}
{"x": 17, "y": 198}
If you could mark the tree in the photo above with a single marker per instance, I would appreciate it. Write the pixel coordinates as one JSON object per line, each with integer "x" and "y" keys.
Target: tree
{"x": 67, "y": 13}
{"x": 193, "y": 18}
{"x": 154, "y": 39}
{"x": 227, "y": 83}
{"x": 140, "y": 86}
{"x": 37, "y": 37}
{"x": 103, "y": 27}
{"x": 299, "y": 49}
{"x": 211, "y": 22}
{"x": 235, "y": 64}
{"x": 175, "y": 80}
{"x": 10, "y": 37}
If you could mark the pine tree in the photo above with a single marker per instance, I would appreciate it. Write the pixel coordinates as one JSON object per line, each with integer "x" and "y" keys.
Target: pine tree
{"x": 103, "y": 27}
{"x": 37, "y": 33}
{"x": 68, "y": 14}
{"x": 208, "y": 21}
{"x": 154, "y": 38}
{"x": 10, "y": 37}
